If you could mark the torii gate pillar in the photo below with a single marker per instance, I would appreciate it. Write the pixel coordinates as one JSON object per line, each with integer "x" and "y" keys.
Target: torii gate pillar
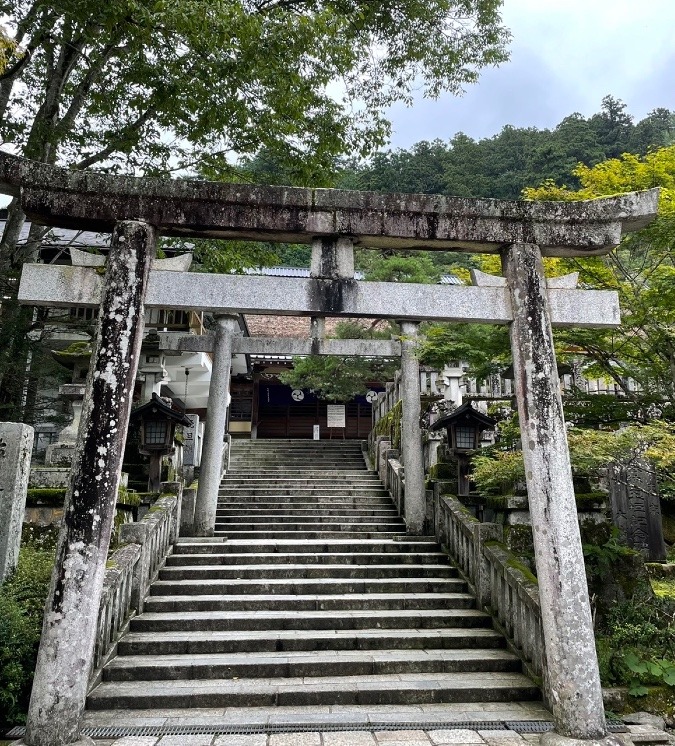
{"x": 571, "y": 660}
{"x": 71, "y": 613}
{"x": 411, "y": 433}
{"x": 214, "y": 430}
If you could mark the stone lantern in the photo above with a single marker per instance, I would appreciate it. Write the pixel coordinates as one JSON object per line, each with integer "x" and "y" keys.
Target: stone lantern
{"x": 158, "y": 427}
{"x": 464, "y": 426}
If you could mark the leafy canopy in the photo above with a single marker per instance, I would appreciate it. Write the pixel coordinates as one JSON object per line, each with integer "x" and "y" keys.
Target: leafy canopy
{"x": 642, "y": 269}
{"x": 341, "y": 378}
{"x": 153, "y": 86}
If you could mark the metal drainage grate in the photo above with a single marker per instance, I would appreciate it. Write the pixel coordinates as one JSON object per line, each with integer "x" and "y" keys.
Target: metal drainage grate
{"x": 529, "y": 726}
{"x": 270, "y": 728}
{"x": 519, "y": 726}
{"x": 543, "y": 726}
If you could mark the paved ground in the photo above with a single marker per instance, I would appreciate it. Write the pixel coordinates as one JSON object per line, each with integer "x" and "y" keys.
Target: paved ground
{"x": 639, "y": 736}
{"x": 345, "y": 738}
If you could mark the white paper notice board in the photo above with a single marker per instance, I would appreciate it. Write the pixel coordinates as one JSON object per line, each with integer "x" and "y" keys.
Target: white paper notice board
{"x": 336, "y": 415}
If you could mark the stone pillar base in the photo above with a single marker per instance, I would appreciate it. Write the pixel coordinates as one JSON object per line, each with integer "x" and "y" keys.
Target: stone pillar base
{"x": 554, "y": 739}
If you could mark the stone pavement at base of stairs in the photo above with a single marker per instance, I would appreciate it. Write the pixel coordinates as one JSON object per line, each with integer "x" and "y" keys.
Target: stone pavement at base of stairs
{"x": 638, "y": 735}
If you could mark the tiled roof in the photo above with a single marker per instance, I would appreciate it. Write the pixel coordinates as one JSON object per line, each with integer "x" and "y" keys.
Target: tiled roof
{"x": 292, "y": 326}
{"x": 63, "y": 237}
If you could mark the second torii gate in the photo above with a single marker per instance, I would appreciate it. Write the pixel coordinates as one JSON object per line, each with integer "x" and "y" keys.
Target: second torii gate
{"x": 137, "y": 210}
{"x": 226, "y": 341}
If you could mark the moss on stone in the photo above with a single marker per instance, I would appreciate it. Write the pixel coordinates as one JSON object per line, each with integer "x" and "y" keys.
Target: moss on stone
{"x": 46, "y": 497}
{"x": 664, "y": 588}
{"x": 76, "y": 349}
{"x": 588, "y": 500}
{"x": 443, "y": 471}
{"x": 518, "y": 539}
{"x": 515, "y": 564}
{"x": 660, "y": 700}
{"x": 390, "y": 425}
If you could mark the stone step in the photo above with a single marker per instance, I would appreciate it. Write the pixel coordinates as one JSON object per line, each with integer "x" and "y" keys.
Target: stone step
{"x": 358, "y": 476}
{"x": 309, "y": 602}
{"x": 347, "y": 559}
{"x": 221, "y": 621}
{"x": 274, "y": 490}
{"x": 297, "y": 664}
{"x": 310, "y": 595}
{"x": 290, "y": 460}
{"x": 299, "y": 442}
{"x": 273, "y": 482}
{"x": 299, "y": 471}
{"x": 302, "y": 523}
{"x": 344, "y": 690}
{"x": 302, "y": 586}
{"x": 219, "y": 545}
{"x": 334, "y": 524}
{"x": 308, "y": 535}
{"x": 362, "y": 500}
{"x": 176, "y": 571}
{"x": 299, "y": 509}
{"x": 182, "y": 643}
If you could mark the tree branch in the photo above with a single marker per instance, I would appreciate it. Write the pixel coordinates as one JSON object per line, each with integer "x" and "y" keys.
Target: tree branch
{"x": 112, "y": 146}
{"x": 79, "y": 97}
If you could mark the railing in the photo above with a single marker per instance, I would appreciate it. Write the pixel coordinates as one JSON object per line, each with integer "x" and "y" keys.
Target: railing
{"x": 115, "y": 601}
{"x": 502, "y": 586}
{"x": 130, "y": 572}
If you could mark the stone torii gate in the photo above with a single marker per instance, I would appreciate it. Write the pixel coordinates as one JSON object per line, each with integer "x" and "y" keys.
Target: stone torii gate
{"x": 138, "y": 210}
{"x": 226, "y": 342}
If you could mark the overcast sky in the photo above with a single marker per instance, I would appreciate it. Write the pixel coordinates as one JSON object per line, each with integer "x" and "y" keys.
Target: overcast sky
{"x": 565, "y": 56}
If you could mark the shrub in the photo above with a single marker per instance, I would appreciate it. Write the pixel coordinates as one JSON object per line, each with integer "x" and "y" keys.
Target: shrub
{"x": 636, "y": 645}
{"x": 22, "y": 599}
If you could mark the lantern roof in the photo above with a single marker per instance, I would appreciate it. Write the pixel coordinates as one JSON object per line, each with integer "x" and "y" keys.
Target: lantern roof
{"x": 464, "y": 415}
{"x": 157, "y": 405}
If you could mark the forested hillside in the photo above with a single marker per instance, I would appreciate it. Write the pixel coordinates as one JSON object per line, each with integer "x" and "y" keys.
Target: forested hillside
{"x": 516, "y": 158}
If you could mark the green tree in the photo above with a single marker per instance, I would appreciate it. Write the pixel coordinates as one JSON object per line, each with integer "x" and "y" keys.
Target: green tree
{"x": 342, "y": 378}
{"x": 412, "y": 267}
{"x": 642, "y": 269}
{"x": 515, "y": 158}
{"x": 181, "y": 85}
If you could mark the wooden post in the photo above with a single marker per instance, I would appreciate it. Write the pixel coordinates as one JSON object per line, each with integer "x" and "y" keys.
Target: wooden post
{"x": 71, "y": 613}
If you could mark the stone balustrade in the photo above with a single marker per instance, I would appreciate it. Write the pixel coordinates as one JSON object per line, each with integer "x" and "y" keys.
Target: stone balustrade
{"x": 115, "y": 601}
{"x": 130, "y": 572}
{"x": 503, "y": 587}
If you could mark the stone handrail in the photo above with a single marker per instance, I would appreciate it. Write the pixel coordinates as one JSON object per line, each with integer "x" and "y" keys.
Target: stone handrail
{"x": 502, "y": 586}
{"x": 115, "y": 601}
{"x": 396, "y": 483}
{"x": 130, "y": 571}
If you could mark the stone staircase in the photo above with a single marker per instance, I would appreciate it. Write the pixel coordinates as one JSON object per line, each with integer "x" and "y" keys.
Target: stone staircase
{"x": 309, "y": 594}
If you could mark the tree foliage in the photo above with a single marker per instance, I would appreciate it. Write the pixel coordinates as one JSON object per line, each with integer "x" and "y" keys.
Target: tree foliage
{"x": 151, "y": 86}
{"x": 642, "y": 270}
{"x": 516, "y": 158}
{"x": 590, "y": 450}
{"x": 162, "y": 86}
{"x": 341, "y": 378}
